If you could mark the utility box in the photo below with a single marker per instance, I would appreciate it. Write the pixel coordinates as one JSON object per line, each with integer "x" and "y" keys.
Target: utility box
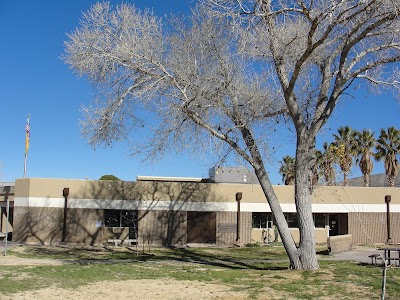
{"x": 232, "y": 175}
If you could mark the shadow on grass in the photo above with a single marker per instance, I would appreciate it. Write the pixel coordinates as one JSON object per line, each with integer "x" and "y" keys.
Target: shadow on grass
{"x": 192, "y": 256}
{"x": 111, "y": 255}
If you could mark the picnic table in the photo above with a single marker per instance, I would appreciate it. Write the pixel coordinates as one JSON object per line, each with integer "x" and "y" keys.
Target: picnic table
{"x": 391, "y": 254}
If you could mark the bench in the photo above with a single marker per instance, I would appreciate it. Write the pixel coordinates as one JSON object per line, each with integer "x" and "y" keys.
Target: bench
{"x": 394, "y": 259}
{"x": 374, "y": 257}
{"x": 118, "y": 242}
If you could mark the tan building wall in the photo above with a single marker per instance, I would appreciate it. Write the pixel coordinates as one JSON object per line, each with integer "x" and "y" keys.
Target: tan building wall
{"x": 162, "y": 228}
{"x": 6, "y": 222}
{"x": 162, "y": 206}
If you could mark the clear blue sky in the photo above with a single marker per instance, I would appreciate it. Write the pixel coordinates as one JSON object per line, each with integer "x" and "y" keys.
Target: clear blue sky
{"x": 34, "y": 80}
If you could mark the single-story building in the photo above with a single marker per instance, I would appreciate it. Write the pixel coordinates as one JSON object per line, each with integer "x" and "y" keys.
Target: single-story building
{"x": 181, "y": 211}
{"x": 6, "y": 209}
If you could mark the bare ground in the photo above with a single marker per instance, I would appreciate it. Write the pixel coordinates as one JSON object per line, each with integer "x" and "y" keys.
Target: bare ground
{"x": 135, "y": 289}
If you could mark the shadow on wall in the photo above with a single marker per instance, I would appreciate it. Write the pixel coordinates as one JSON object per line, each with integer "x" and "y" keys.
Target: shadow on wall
{"x": 38, "y": 225}
{"x": 161, "y": 206}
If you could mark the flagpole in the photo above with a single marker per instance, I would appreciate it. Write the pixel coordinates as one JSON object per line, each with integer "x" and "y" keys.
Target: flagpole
{"x": 26, "y": 156}
{"x": 27, "y": 139}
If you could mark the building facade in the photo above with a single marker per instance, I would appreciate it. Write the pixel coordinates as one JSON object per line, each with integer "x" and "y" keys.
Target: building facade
{"x": 182, "y": 211}
{"x": 6, "y": 209}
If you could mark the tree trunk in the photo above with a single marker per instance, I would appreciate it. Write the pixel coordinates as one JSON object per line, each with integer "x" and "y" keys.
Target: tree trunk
{"x": 345, "y": 178}
{"x": 367, "y": 180}
{"x": 305, "y": 159}
{"x": 391, "y": 180}
{"x": 281, "y": 223}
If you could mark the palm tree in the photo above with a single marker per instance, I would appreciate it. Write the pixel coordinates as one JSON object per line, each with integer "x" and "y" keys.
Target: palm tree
{"x": 317, "y": 168}
{"x": 344, "y": 141}
{"x": 326, "y": 161}
{"x": 387, "y": 147}
{"x": 287, "y": 169}
{"x": 364, "y": 143}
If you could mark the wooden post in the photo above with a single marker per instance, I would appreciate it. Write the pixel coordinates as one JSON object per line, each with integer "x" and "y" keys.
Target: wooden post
{"x": 7, "y": 190}
{"x": 388, "y": 198}
{"x": 238, "y": 198}
{"x": 64, "y": 232}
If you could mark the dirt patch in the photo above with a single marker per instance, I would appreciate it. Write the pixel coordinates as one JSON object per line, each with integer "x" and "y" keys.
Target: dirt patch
{"x": 135, "y": 289}
{"x": 11, "y": 260}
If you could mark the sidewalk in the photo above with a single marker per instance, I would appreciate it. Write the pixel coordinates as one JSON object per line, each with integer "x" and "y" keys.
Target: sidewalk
{"x": 358, "y": 254}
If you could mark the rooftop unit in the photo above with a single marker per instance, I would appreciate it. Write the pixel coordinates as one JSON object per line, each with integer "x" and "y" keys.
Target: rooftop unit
{"x": 232, "y": 175}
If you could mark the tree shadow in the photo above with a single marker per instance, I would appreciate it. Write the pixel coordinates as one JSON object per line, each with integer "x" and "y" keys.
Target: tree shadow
{"x": 31, "y": 225}
{"x": 192, "y": 256}
{"x": 324, "y": 252}
{"x": 161, "y": 208}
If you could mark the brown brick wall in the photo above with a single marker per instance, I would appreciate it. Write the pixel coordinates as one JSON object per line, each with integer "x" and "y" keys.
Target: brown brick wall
{"x": 226, "y": 228}
{"x": 44, "y": 225}
{"x": 167, "y": 228}
{"x": 368, "y": 228}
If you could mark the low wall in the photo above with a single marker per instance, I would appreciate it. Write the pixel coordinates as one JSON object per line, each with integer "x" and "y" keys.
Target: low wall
{"x": 264, "y": 235}
{"x": 340, "y": 243}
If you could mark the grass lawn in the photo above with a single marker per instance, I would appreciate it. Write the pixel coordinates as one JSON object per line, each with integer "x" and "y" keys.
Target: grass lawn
{"x": 251, "y": 269}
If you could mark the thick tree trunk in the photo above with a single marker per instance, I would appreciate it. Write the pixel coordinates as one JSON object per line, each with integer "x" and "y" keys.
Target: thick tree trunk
{"x": 345, "y": 178}
{"x": 303, "y": 257}
{"x": 305, "y": 157}
{"x": 391, "y": 180}
{"x": 281, "y": 223}
{"x": 367, "y": 180}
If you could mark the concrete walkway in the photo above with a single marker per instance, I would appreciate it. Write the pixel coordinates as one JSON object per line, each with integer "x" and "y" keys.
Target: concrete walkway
{"x": 358, "y": 254}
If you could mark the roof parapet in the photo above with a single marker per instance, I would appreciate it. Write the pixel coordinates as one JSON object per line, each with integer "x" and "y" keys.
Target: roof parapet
{"x": 171, "y": 179}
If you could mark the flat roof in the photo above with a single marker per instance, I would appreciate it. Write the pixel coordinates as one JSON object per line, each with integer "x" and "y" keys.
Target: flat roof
{"x": 173, "y": 179}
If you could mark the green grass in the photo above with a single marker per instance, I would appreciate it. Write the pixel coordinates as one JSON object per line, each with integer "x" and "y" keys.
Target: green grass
{"x": 122, "y": 253}
{"x": 245, "y": 269}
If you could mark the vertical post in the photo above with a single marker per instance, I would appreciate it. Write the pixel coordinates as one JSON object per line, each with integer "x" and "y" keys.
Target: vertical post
{"x": 25, "y": 159}
{"x": 238, "y": 198}
{"x": 7, "y": 190}
{"x": 64, "y": 232}
{"x": 383, "y": 281}
{"x": 27, "y": 141}
{"x": 388, "y": 198}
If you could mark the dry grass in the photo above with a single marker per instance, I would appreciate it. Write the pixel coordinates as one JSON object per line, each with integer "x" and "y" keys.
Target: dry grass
{"x": 245, "y": 273}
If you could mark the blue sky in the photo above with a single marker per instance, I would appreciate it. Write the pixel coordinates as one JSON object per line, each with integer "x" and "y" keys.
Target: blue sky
{"x": 34, "y": 80}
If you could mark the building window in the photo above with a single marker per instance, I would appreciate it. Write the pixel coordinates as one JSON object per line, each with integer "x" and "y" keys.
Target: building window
{"x": 291, "y": 219}
{"x": 120, "y": 218}
{"x": 319, "y": 220}
{"x": 262, "y": 220}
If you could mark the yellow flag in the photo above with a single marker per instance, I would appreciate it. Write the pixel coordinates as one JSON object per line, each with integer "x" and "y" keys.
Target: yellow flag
{"x": 27, "y": 135}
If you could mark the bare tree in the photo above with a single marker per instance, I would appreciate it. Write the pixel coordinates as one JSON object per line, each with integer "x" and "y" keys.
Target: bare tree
{"x": 228, "y": 73}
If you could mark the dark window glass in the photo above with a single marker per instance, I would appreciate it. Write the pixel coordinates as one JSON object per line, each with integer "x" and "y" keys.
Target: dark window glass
{"x": 319, "y": 220}
{"x": 291, "y": 219}
{"x": 128, "y": 218}
{"x": 120, "y": 218}
{"x": 112, "y": 218}
{"x": 260, "y": 219}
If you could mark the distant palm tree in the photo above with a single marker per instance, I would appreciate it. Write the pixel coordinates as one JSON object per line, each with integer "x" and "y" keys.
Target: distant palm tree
{"x": 387, "y": 148}
{"x": 317, "y": 168}
{"x": 326, "y": 161}
{"x": 345, "y": 146}
{"x": 287, "y": 169}
{"x": 365, "y": 141}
